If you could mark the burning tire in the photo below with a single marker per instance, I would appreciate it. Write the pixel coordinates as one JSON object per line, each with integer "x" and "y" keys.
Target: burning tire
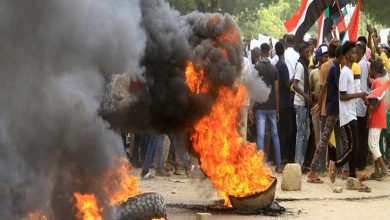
{"x": 143, "y": 207}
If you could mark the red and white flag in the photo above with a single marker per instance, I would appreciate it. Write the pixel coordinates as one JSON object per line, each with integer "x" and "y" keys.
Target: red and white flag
{"x": 353, "y": 27}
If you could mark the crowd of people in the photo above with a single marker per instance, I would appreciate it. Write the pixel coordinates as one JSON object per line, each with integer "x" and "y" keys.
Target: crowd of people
{"x": 319, "y": 113}
{"x": 144, "y": 147}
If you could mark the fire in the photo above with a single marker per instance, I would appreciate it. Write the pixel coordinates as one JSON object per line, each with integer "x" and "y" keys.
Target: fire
{"x": 234, "y": 167}
{"x": 194, "y": 79}
{"x": 125, "y": 185}
{"x": 232, "y": 36}
{"x": 87, "y": 208}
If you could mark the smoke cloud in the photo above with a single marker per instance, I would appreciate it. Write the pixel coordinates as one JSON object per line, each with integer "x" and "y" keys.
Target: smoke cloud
{"x": 210, "y": 41}
{"x": 56, "y": 59}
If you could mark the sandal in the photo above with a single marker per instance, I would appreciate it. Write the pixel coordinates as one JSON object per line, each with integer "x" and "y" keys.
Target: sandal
{"x": 382, "y": 176}
{"x": 316, "y": 180}
{"x": 376, "y": 176}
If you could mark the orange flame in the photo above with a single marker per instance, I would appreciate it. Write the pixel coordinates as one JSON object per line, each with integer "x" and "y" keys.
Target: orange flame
{"x": 194, "y": 79}
{"x": 87, "y": 208}
{"x": 125, "y": 185}
{"x": 235, "y": 168}
{"x": 232, "y": 35}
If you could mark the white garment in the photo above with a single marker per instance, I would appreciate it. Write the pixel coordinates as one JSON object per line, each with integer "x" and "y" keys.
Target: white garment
{"x": 347, "y": 109}
{"x": 300, "y": 76}
{"x": 361, "y": 108}
{"x": 246, "y": 76}
{"x": 373, "y": 141}
{"x": 291, "y": 59}
{"x": 274, "y": 59}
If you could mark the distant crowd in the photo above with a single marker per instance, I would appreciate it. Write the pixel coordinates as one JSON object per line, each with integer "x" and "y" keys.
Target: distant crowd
{"x": 321, "y": 112}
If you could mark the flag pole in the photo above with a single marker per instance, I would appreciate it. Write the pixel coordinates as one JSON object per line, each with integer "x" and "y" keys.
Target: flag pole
{"x": 341, "y": 15}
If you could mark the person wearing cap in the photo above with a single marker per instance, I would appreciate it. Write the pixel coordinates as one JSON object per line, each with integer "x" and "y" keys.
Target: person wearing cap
{"x": 321, "y": 55}
{"x": 331, "y": 118}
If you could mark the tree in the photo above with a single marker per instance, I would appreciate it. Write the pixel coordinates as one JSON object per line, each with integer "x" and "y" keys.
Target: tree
{"x": 376, "y": 10}
{"x": 267, "y": 20}
{"x": 232, "y": 7}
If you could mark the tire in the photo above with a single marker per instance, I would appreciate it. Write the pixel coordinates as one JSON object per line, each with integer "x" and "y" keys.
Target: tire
{"x": 143, "y": 207}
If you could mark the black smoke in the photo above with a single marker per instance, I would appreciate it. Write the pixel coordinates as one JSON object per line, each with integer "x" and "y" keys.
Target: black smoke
{"x": 172, "y": 41}
{"x": 57, "y": 58}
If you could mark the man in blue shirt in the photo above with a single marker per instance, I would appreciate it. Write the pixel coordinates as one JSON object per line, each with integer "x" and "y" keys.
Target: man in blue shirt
{"x": 332, "y": 118}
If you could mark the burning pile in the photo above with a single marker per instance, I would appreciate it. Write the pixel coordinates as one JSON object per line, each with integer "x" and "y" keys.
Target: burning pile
{"x": 234, "y": 167}
{"x": 54, "y": 68}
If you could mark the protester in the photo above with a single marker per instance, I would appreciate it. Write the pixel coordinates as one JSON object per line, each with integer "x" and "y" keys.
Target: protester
{"x": 156, "y": 144}
{"x": 377, "y": 121}
{"x": 361, "y": 109}
{"x": 373, "y": 42}
{"x": 139, "y": 149}
{"x": 331, "y": 118}
{"x": 290, "y": 55}
{"x": 322, "y": 99}
{"x": 347, "y": 106}
{"x": 321, "y": 57}
{"x": 302, "y": 103}
{"x": 286, "y": 111}
{"x": 268, "y": 112}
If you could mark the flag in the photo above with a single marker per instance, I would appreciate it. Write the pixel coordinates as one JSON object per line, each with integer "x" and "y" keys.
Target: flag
{"x": 325, "y": 27}
{"x": 353, "y": 27}
{"x": 332, "y": 17}
{"x": 308, "y": 13}
{"x": 377, "y": 94}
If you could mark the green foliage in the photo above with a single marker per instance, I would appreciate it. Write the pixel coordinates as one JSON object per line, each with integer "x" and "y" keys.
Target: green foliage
{"x": 376, "y": 10}
{"x": 232, "y": 7}
{"x": 267, "y": 20}
{"x": 268, "y": 16}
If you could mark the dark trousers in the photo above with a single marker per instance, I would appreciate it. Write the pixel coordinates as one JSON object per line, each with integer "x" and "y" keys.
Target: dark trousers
{"x": 139, "y": 149}
{"x": 311, "y": 146}
{"x": 362, "y": 150}
{"x": 350, "y": 154}
{"x": 287, "y": 132}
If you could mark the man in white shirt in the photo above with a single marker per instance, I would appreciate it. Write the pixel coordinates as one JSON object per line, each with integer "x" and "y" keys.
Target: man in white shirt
{"x": 347, "y": 112}
{"x": 302, "y": 103}
{"x": 291, "y": 56}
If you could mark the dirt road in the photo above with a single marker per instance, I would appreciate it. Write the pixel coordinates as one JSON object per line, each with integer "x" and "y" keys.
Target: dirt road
{"x": 314, "y": 201}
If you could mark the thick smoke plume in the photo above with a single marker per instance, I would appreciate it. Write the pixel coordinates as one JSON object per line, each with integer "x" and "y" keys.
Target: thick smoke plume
{"x": 210, "y": 41}
{"x": 55, "y": 57}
